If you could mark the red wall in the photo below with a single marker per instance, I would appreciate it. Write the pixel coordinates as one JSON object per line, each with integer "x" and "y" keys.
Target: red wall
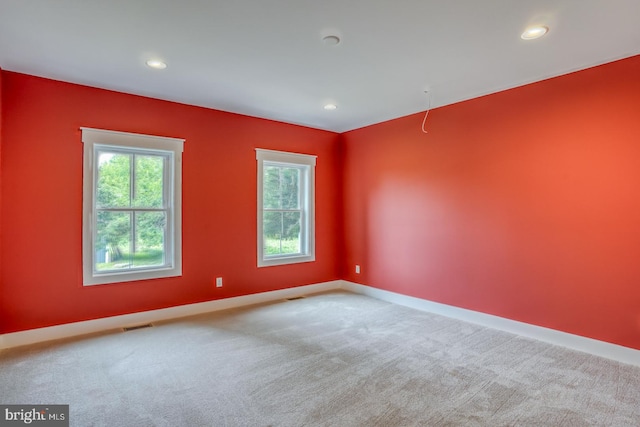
{"x": 42, "y": 202}
{"x": 523, "y": 204}
{"x": 1, "y": 133}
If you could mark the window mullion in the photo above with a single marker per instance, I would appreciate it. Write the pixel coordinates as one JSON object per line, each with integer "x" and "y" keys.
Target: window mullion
{"x": 94, "y": 207}
{"x": 282, "y": 210}
{"x": 132, "y": 182}
{"x": 132, "y": 215}
{"x": 280, "y": 177}
{"x": 302, "y": 204}
{"x": 280, "y": 204}
{"x": 168, "y": 206}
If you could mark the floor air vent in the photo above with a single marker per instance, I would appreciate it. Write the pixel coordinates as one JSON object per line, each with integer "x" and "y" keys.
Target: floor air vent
{"x": 133, "y": 328}
{"x": 294, "y": 298}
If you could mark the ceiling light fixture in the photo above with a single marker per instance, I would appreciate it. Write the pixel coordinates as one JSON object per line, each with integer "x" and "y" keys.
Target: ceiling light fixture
{"x": 534, "y": 32}
{"x": 331, "y": 37}
{"x": 157, "y": 64}
{"x": 331, "y": 40}
{"x": 330, "y": 107}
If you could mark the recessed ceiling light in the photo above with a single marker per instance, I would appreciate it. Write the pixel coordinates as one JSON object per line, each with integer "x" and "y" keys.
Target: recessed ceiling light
{"x": 330, "y": 107}
{"x": 331, "y": 40}
{"x": 157, "y": 64}
{"x": 534, "y": 32}
{"x": 331, "y": 37}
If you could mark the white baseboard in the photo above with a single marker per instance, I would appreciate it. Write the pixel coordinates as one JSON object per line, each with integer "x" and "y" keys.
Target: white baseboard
{"x": 67, "y": 330}
{"x": 575, "y": 342}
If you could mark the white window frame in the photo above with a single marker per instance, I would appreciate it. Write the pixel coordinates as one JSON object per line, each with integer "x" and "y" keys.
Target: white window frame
{"x": 96, "y": 139}
{"x": 306, "y": 163}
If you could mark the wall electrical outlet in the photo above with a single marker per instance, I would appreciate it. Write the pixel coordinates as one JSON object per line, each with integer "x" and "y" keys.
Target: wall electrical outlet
{"x": 218, "y": 282}
{"x": 357, "y": 269}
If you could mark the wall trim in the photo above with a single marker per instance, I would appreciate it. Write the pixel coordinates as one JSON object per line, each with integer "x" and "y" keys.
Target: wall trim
{"x": 32, "y": 336}
{"x": 604, "y": 349}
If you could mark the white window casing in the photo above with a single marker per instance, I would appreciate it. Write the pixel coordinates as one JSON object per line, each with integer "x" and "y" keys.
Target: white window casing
{"x": 305, "y": 163}
{"x": 170, "y": 150}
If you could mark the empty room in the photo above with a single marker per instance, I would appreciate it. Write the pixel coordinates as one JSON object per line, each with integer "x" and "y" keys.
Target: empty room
{"x": 336, "y": 213}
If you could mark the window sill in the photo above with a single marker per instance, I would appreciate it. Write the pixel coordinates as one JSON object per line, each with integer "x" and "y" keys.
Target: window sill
{"x": 269, "y": 262}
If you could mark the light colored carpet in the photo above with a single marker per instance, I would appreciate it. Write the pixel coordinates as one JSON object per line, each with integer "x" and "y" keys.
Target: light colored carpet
{"x": 334, "y": 359}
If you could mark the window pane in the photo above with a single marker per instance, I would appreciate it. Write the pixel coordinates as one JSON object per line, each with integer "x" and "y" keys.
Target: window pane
{"x": 291, "y": 232}
{"x": 271, "y": 188}
{"x": 280, "y": 188}
{"x": 289, "y": 179}
{"x": 113, "y": 241}
{"x": 272, "y": 232}
{"x": 113, "y": 189}
{"x": 149, "y": 173}
{"x": 150, "y": 237}
{"x": 281, "y": 233}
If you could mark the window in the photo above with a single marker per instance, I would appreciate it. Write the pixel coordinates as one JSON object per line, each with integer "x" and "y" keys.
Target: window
{"x": 285, "y": 207}
{"x": 131, "y": 225}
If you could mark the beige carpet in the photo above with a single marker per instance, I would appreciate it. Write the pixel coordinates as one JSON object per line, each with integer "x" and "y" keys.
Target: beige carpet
{"x": 333, "y": 359}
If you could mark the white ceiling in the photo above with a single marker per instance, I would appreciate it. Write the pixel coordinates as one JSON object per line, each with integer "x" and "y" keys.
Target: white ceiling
{"x": 266, "y": 58}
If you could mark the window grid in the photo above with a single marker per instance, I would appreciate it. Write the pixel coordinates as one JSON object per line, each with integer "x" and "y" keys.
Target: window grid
{"x": 132, "y": 207}
{"x": 300, "y": 196}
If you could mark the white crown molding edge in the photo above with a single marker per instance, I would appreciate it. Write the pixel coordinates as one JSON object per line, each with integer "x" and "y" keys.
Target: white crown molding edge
{"x": 603, "y": 349}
